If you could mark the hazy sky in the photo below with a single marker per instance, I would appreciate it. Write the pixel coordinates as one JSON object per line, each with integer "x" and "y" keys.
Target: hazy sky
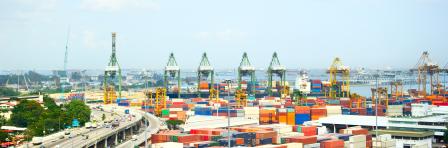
{"x": 306, "y": 34}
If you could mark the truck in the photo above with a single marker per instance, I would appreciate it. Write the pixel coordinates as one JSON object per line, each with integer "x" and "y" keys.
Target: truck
{"x": 37, "y": 140}
{"x": 126, "y": 111}
{"x": 88, "y": 125}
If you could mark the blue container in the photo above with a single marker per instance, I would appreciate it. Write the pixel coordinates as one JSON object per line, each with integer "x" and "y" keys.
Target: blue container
{"x": 344, "y": 137}
{"x": 203, "y": 111}
{"x": 147, "y": 107}
{"x": 126, "y": 111}
{"x": 204, "y": 102}
{"x": 266, "y": 141}
{"x": 354, "y": 113}
{"x": 300, "y": 118}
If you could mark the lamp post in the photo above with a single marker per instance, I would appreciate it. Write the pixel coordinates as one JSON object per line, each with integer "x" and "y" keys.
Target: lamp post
{"x": 376, "y": 105}
{"x": 228, "y": 81}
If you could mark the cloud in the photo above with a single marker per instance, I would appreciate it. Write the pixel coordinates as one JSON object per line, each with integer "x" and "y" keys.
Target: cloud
{"x": 226, "y": 35}
{"x": 117, "y": 5}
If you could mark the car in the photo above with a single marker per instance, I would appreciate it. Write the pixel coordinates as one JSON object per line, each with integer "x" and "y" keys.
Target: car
{"x": 54, "y": 140}
{"x": 134, "y": 137}
{"x": 67, "y": 132}
{"x": 61, "y": 137}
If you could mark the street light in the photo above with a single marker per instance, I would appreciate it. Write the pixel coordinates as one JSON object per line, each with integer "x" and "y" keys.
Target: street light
{"x": 376, "y": 105}
{"x": 228, "y": 81}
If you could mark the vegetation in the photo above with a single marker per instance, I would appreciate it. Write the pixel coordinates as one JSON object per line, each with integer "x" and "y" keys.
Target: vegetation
{"x": 8, "y": 92}
{"x": 50, "y": 118}
{"x": 174, "y": 124}
{"x": 76, "y": 109}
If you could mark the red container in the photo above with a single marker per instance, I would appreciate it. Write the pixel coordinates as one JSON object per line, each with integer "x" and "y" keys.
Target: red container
{"x": 309, "y": 130}
{"x": 361, "y": 131}
{"x": 332, "y": 144}
{"x": 303, "y": 139}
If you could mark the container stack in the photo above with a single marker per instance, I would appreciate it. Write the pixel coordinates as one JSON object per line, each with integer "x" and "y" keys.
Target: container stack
{"x": 290, "y": 116}
{"x": 316, "y": 86}
{"x": 332, "y": 144}
{"x": 384, "y": 141}
{"x": 302, "y": 114}
{"x": 206, "y": 111}
{"x": 135, "y": 102}
{"x": 268, "y": 116}
{"x": 282, "y": 115}
{"x": 357, "y": 141}
{"x": 333, "y": 110}
{"x": 318, "y": 112}
{"x": 394, "y": 110}
{"x": 251, "y": 112}
{"x": 419, "y": 110}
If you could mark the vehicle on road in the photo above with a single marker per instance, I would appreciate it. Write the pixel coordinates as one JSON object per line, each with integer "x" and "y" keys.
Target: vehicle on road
{"x": 134, "y": 137}
{"x": 67, "y": 132}
{"x": 37, "y": 140}
{"x": 61, "y": 137}
{"x": 88, "y": 125}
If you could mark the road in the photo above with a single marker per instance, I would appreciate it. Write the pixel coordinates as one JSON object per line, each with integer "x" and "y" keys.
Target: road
{"x": 152, "y": 128}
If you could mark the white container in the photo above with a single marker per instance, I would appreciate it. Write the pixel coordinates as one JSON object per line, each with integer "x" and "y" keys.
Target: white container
{"x": 361, "y": 144}
{"x": 168, "y": 145}
{"x": 358, "y": 138}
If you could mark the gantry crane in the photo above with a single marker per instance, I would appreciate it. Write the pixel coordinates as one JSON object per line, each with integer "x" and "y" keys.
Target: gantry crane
{"x": 275, "y": 68}
{"x": 205, "y": 70}
{"x": 160, "y": 101}
{"x": 110, "y": 76}
{"x": 240, "y": 98}
{"x": 172, "y": 71}
{"x": 246, "y": 69}
{"x": 343, "y": 90}
{"x": 359, "y": 100}
{"x": 396, "y": 90}
{"x": 381, "y": 95}
{"x": 425, "y": 67}
{"x": 214, "y": 95}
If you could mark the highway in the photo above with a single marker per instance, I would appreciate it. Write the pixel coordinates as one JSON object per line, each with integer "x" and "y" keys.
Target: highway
{"x": 152, "y": 128}
{"x": 53, "y": 140}
{"x": 78, "y": 140}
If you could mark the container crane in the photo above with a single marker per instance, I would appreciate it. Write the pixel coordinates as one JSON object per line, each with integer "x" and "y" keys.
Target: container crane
{"x": 246, "y": 69}
{"x": 160, "y": 101}
{"x": 240, "y": 98}
{"x": 396, "y": 90}
{"x": 342, "y": 90}
{"x": 110, "y": 76}
{"x": 205, "y": 70}
{"x": 383, "y": 98}
{"x": 275, "y": 68}
{"x": 63, "y": 76}
{"x": 172, "y": 71}
{"x": 425, "y": 67}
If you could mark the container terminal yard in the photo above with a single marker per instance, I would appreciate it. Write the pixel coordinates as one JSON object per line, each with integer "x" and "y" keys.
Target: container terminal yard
{"x": 218, "y": 74}
{"x": 247, "y": 107}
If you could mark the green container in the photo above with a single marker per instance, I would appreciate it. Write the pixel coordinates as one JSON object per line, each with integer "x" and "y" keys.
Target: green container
{"x": 165, "y": 112}
{"x": 283, "y": 140}
{"x": 174, "y": 138}
{"x": 299, "y": 129}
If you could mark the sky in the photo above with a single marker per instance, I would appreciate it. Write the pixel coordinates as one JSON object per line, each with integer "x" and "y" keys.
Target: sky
{"x": 304, "y": 33}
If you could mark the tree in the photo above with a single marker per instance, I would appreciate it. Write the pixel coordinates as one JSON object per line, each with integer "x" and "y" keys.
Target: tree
{"x": 26, "y": 112}
{"x": 8, "y": 92}
{"x": 76, "y": 109}
{"x": 3, "y": 136}
{"x": 173, "y": 124}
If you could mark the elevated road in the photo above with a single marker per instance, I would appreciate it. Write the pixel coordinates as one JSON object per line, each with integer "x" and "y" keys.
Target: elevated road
{"x": 153, "y": 127}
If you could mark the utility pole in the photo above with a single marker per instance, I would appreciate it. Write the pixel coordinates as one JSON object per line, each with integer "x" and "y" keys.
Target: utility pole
{"x": 228, "y": 81}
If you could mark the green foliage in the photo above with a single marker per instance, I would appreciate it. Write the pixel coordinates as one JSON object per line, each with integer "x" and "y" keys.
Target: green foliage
{"x": 8, "y": 92}
{"x": 3, "y": 136}
{"x": 26, "y": 112}
{"x": 173, "y": 124}
{"x": 76, "y": 109}
{"x": 52, "y": 118}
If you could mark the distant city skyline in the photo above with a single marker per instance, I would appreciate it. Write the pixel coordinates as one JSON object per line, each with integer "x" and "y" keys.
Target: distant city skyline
{"x": 305, "y": 34}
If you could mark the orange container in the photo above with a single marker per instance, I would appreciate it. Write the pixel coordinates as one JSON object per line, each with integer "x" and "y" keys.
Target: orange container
{"x": 291, "y": 118}
{"x": 302, "y": 109}
{"x": 332, "y": 144}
